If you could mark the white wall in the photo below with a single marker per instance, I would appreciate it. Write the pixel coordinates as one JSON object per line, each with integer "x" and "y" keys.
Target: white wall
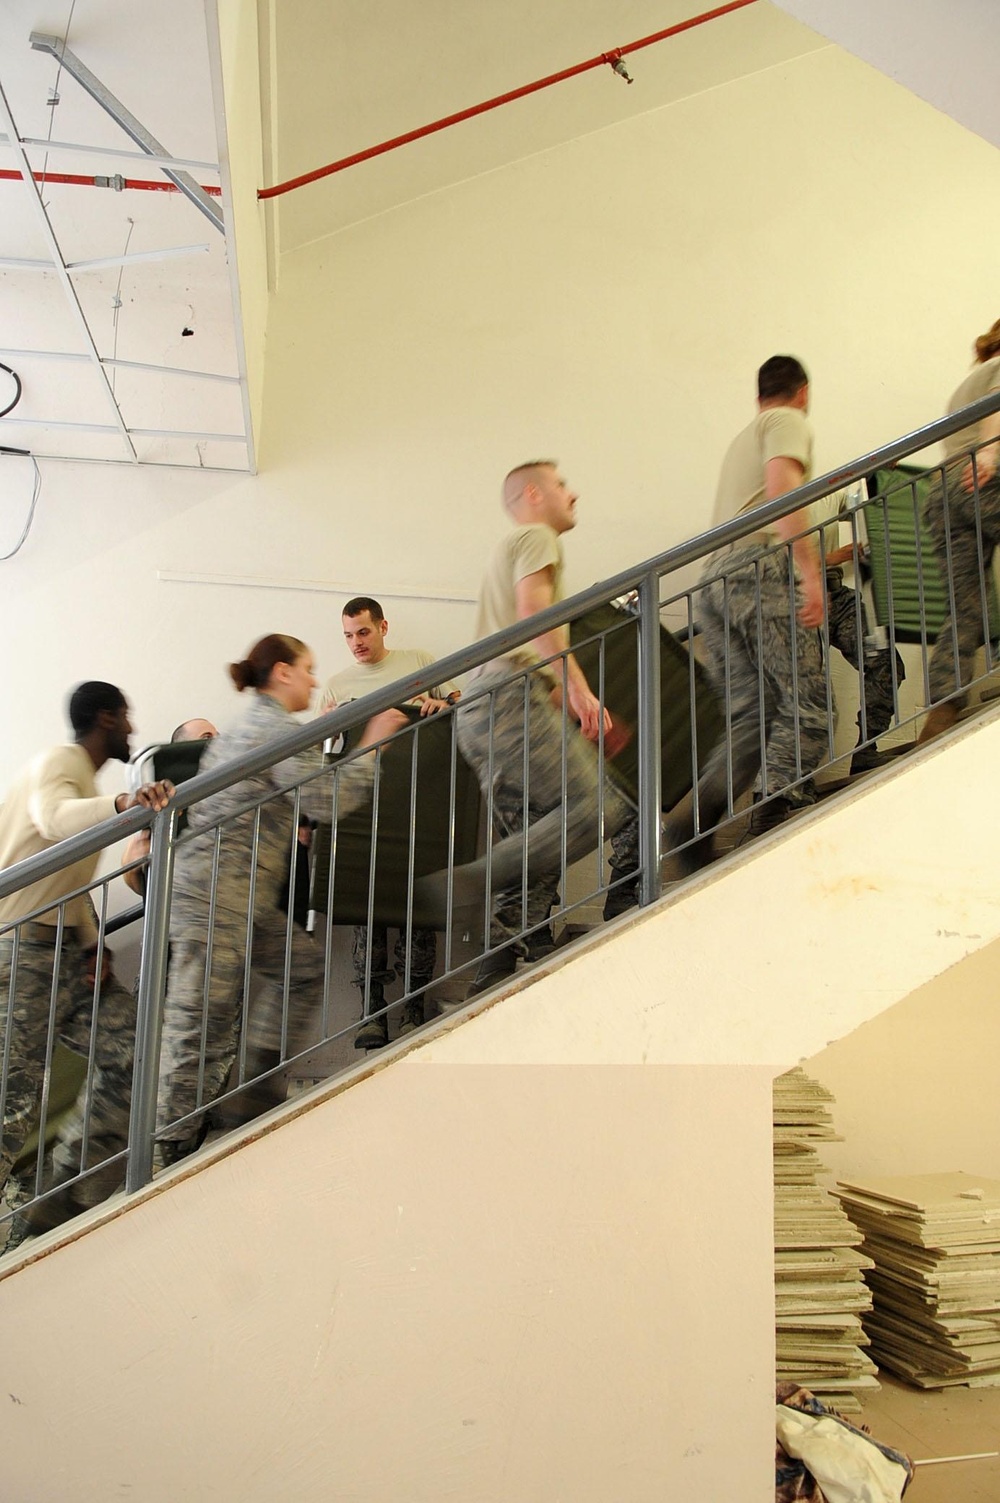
{"x": 944, "y": 53}
{"x": 607, "y": 301}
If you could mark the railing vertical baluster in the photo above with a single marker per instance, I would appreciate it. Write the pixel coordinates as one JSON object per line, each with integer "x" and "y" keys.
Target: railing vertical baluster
{"x": 650, "y": 770}
{"x": 449, "y": 935}
{"x": 526, "y": 792}
{"x": 411, "y": 861}
{"x": 50, "y": 1038}
{"x": 149, "y": 1017}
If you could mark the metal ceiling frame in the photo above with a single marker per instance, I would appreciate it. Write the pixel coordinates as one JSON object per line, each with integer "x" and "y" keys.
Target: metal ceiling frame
{"x": 132, "y": 365}
{"x": 14, "y": 263}
{"x": 132, "y": 127}
{"x": 156, "y": 155}
{"x": 45, "y": 225}
{"x": 119, "y": 153}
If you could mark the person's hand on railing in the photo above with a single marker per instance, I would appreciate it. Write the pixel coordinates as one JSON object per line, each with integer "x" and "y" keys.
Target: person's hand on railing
{"x": 150, "y": 796}
{"x": 430, "y": 706}
{"x": 587, "y": 709}
{"x": 813, "y": 592}
{"x": 90, "y": 965}
{"x": 984, "y": 469}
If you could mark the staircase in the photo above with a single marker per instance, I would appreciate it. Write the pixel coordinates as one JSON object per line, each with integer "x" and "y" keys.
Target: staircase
{"x": 506, "y": 1263}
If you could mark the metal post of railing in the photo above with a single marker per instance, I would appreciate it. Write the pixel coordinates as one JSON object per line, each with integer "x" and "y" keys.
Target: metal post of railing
{"x": 149, "y": 1017}
{"x": 650, "y": 770}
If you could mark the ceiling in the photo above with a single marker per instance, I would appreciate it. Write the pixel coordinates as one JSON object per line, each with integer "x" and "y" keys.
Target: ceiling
{"x": 141, "y": 362}
{"x": 107, "y": 369}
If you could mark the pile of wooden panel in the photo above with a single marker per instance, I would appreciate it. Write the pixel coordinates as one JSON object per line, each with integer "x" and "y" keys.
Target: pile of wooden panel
{"x": 819, "y": 1290}
{"x": 935, "y": 1244}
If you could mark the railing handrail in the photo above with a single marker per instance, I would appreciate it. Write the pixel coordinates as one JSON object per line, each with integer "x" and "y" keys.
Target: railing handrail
{"x": 500, "y": 644}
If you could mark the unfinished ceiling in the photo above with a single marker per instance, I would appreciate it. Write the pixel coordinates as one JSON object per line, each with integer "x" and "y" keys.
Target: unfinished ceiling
{"x": 342, "y": 75}
{"x": 116, "y": 305}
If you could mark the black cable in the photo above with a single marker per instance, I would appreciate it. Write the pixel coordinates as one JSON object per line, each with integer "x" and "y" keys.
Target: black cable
{"x": 17, "y": 394}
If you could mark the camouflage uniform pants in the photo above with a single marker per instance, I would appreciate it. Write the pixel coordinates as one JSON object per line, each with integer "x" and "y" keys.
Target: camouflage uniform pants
{"x": 202, "y": 1024}
{"x": 97, "y": 1128}
{"x": 371, "y": 975}
{"x": 846, "y": 612}
{"x": 747, "y": 616}
{"x": 624, "y": 857}
{"x": 511, "y": 914}
{"x": 956, "y": 522}
{"x": 558, "y": 790}
{"x": 874, "y": 669}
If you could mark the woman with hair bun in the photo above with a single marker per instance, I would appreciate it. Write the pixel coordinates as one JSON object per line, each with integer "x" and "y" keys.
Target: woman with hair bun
{"x": 204, "y": 1002}
{"x": 963, "y": 513}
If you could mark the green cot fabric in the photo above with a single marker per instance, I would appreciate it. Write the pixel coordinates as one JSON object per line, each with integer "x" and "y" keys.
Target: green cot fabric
{"x": 908, "y": 589}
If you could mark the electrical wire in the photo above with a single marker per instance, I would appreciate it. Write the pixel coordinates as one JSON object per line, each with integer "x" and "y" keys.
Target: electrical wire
{"x": 17, "y": 394}
{"x": 116, "y": 303}
{"x": 55, "y": 88}
{"x": 31, "y": 514}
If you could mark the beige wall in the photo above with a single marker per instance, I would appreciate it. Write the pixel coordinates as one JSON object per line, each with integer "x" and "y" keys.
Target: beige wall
{"x": 609, "y": 302}
{"x": 916, "y": 1088}
{"x": 462, "y": 1282}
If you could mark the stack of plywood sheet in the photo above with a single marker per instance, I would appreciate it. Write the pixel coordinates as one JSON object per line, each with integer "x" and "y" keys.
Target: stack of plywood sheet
{"x": 935, "y": 1243}
{"x": 819, "y": 1290}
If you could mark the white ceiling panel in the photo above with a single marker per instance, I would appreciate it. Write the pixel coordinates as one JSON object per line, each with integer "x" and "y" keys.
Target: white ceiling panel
{"x": 162, "y": 294}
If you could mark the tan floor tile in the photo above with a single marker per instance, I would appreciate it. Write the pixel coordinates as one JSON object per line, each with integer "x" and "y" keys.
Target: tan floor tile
{"x": 946, "y": 1422}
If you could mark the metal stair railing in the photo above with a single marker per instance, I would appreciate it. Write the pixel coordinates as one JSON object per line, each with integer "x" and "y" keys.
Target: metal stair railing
{"x": 652, "y": 789}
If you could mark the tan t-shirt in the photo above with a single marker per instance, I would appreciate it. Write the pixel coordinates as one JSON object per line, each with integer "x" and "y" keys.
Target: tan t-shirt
{"x": 775, "y": 433}
{"x": 525, "y": 550}
{"x": 55, "y": 797}
{"x": 363, "y": 678}
{"x": 980, "y": 381}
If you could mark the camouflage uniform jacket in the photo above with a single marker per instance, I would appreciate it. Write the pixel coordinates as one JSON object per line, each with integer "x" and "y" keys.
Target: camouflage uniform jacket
{"x": 265, "y": 719}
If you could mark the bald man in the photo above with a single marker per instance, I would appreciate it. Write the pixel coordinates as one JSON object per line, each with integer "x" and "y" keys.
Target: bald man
{"x": 195, "y": 730}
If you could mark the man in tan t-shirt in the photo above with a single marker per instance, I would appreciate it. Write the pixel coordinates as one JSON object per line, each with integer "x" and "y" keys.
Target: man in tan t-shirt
{"x": 750, "y": 633}
{"x": 524, "y": 576}
{"x": 375, "y": 665}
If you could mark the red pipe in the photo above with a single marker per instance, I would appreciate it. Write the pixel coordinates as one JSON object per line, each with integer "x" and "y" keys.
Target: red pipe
{"x": 150, "y": 186}
{"x": 610, "y": 58}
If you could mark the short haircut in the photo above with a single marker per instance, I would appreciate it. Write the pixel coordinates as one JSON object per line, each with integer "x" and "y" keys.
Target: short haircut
{"x": 362, "y": 603}
{"x": 781, "y": 376}
{"x": 521, "y": 476}
{"x": 91, "y": 699}
{"x": 182, "y": 732}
